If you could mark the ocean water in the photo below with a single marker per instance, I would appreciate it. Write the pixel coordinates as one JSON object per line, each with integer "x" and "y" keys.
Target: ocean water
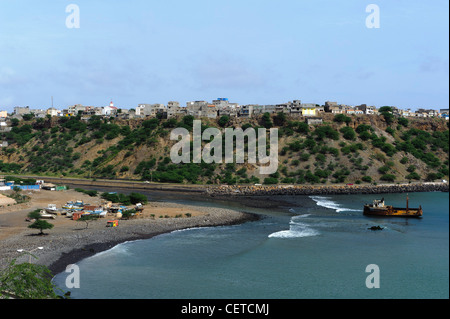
{"x": 314, "y": 247}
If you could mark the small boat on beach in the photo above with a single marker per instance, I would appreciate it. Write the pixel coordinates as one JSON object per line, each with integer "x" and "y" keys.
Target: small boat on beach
{"x": 378, "y": 208}
{"x": 78, "y": 205}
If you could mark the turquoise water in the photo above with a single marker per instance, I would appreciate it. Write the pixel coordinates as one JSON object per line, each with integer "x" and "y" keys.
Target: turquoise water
{"x": 315, "y": 247}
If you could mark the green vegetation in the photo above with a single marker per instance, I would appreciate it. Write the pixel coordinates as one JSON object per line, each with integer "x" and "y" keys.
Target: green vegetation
{"x": 91, "y": 193}
{"x": 39, "y": 223}
{"x": 386, "y": 112}
{"x": 341, "y": 118}
{"x": 87, "y": 219}
{"x": 27, "y": 281}
{"x": 132, "y": 198}
{"x": 339, "y": 150}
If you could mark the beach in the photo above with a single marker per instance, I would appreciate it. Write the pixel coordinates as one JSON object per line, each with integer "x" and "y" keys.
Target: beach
{"x": 70, "y": 241}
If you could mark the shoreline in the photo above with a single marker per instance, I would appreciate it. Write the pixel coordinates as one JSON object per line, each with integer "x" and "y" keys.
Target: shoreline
{"x": 70, "y": 242}
{"x": 91, "y": 249}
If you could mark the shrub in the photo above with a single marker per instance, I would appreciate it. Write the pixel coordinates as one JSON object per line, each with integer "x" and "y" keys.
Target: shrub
{"x": 411, "y": 168}
{"x": 388, "y": 177}
{"x": 366, "y": 179}
{"x": 383, "y": 169}
{"x": 390, "y": 130}
{"x": 403, "y": 121}
{"x": 270, "y": 180}
{"x": 280, "y": 119}
{"x": 326, "y": 131}
{"x": 413, "y": 175}
{"x": 341, "y": 118}
{"x": 223, "y": 120}
{"x": 138, "y": 198}
{"x": 266, "y": 120}
{"x": 348, "y": 133}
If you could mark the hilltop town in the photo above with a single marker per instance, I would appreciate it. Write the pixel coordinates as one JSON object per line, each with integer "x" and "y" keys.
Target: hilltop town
{"x": 214, "y": 109}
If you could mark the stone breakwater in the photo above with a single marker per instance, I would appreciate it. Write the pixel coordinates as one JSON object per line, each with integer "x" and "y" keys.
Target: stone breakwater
{"x": 255, "y": 190}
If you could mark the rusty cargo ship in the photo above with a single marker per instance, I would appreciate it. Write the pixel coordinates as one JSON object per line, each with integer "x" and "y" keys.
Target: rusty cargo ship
{"x": 378, "y": 208}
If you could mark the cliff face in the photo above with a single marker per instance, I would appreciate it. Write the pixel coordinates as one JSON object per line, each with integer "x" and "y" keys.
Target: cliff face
{"x": 332, "y": 152}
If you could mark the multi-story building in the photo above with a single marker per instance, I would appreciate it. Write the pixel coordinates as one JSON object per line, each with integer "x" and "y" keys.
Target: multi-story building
{"x": 74, "y": 109}
{"x": 150, "y": 109}
{"x": 245, "y": 111}
{"x": 406, "y": 113}
{"x": 366, "y": 109}
{"x": 330, "y": 106}
{"x": 53, "y": 112}
{"x": 308, "y": 109}
{"x": 19, "y": 110}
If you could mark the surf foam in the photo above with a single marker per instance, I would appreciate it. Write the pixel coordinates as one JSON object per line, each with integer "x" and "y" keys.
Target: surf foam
{"x": 328, "y": 203}
{"x": 296, "y": 230}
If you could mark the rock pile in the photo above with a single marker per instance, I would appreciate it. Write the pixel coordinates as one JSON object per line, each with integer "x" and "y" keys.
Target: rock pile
{"x": 251, "y": 190}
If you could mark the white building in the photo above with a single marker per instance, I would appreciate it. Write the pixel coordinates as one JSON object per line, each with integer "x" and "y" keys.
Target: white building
{"x": 109, "y": 110}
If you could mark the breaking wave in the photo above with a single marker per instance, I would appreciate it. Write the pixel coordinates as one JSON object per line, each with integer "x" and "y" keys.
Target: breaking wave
{"x": 297, "y": 229}
{"x": 327, "y": 202}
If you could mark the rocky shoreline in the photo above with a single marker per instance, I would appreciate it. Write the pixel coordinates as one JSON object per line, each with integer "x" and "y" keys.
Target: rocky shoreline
{"x": 270, "y": 190}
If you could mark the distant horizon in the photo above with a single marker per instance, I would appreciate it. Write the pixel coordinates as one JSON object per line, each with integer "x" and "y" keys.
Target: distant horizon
{"x": 254, "y": 52}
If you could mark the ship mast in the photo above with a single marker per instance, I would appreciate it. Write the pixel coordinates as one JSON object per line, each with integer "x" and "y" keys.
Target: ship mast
{"x": 407, "y": 207}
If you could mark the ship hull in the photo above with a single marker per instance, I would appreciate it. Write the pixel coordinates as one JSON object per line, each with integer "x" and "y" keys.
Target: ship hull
{"x": 392, "y": 211}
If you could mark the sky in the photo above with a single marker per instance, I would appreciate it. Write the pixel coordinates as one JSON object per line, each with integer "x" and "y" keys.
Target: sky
{"x": 250, "y": 51}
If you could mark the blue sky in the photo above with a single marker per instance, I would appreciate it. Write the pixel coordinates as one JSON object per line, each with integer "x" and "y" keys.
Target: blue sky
{"x": 250, "y": 51}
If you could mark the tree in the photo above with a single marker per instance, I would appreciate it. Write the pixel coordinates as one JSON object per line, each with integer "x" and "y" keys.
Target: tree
{"x": 280, "y": 119}
{"x": 41, "y": 225}
{"x": 386, "y": 111}
{"x": 14, "y": 122}
{"x": 128, "y": 214}
{"x": 223, "y": 120}
{"x": 27, "y": 117}
{"x": 35, "y": 214}
{"x": 266, "y": 120}
{"x": 27, "y": 281}
{"x": 138, "y": 198}
{"x": 87, "y": 219}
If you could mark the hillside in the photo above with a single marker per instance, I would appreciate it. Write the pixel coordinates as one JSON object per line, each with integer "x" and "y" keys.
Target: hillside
{"x": 344, "y": 149}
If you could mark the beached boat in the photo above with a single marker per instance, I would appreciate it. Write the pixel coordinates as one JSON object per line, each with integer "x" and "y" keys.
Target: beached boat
{"x": 95, "y": 210}
{"x": 45, "y": 215}
{"x": 139, "y": 207}
{"x": 78, "y": 205}
{"x": 378, "y": 208}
